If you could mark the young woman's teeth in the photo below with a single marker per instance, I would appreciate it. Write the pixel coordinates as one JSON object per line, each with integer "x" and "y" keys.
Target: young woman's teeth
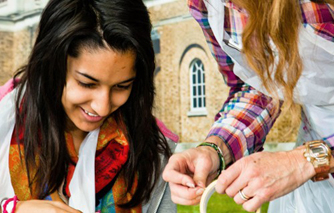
{"x": 90, "y": 114}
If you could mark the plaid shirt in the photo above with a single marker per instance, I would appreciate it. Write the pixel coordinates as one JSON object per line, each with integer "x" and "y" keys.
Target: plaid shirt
{"x": 247, "y": 115}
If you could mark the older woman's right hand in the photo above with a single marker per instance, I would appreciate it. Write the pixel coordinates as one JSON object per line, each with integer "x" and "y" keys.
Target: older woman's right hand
{"x": 189, "y": 172}
{"x": 42, "y": 206}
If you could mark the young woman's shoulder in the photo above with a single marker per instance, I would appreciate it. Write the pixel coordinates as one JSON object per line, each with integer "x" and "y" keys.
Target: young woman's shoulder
{"x": 166, "y": 132}
{"x": 7, "y": 87}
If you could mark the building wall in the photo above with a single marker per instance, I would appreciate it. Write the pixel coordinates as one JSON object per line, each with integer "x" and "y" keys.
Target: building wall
{"x": 178, "y": 33}
{"x": 182, "y": 41}
{"x": 6, "y": 55}
{"x": 15, "y": 48}
{"x": 18, "y": 23}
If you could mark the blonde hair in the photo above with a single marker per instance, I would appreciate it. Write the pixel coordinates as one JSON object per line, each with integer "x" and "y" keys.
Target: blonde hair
{"x": 278, "y": 20}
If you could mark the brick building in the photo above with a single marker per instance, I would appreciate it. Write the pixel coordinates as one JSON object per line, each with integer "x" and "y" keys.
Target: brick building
{"x": 189, "y": 88}
{"x": 18, "y": 22}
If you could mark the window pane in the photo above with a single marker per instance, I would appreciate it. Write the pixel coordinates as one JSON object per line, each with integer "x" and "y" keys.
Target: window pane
{"x": 204, "y": 89}
{"x": 194, "y": 91}
{"x": 199, "y": 76}
{"x": 199, "y": 87}
{"x": 204, "y": 104}
{"x": 194, "y": 103}
{"x": 200, "y": 102}
{"x": 194, "y": 79}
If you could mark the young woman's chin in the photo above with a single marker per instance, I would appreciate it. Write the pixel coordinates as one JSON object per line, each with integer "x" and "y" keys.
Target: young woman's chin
{"x": 89, "y": 127}
{"x": 86, "y": 126}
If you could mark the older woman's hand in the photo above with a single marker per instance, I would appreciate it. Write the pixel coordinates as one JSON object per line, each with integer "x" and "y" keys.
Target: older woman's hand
{"x": 264, "y": 176}
{"x": 189, "y": 172}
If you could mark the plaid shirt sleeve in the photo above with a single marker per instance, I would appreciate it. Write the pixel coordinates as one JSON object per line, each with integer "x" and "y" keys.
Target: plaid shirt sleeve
{"x": 246, "y": 117}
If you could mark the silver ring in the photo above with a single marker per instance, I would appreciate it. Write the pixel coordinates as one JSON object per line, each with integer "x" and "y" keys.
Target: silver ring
{"x": 243, "y": 196}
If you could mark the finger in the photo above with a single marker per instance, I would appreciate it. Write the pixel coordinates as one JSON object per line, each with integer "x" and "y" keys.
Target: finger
{"x": 238, "y": 184}
{"x": 175, "y": 172}
{"x": 183, "y": 201}
{"x": 227, "y": 177}
{"x": 185, "y": 192}
{"x": 175, "y": 177}
{"x": 247, "y": 192}
{"x": 253, "y": 204}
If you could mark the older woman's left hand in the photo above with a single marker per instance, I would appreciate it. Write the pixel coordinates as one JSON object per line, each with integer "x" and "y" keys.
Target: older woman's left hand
{"x": 264, "y": 176}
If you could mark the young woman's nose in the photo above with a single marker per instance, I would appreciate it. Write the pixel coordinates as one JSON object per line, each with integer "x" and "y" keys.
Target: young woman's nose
{"x": 101, "y": 103}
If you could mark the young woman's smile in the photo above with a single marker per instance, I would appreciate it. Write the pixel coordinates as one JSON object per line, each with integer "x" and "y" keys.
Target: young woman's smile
{"x": 92, "y": 117}
{"x": 98, "y": 82}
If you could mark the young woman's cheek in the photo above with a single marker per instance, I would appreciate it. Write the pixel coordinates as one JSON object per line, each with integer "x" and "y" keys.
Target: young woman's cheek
{"x": 119, "y": 99}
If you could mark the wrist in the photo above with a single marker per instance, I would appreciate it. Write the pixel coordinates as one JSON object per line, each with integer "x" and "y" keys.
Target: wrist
{"x": 306, "y": 167}
{"x": 221, "y": 144}
{"x": 214, "y": 147}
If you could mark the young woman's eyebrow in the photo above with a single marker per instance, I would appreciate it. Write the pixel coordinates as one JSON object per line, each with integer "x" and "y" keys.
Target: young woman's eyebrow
{"x": 94, "y": 79}
{"x": 87, "y": 76}
{"x": 126, "y": 81}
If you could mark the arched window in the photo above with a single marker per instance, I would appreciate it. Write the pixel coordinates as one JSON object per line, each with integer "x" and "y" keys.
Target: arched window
{"x": 197, "y": 86}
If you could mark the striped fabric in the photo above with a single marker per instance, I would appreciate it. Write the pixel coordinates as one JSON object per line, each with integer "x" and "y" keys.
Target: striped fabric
{"x": 247, "y": 115}
{"x": 320, "y": 17}
{"x": 236, "y": 19}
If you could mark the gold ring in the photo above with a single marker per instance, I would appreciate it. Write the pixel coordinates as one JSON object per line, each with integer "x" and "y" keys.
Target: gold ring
{"x": 243, "y": 196}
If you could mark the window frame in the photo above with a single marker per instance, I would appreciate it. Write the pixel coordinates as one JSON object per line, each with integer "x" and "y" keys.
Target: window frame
{"x": 197, "y": 88}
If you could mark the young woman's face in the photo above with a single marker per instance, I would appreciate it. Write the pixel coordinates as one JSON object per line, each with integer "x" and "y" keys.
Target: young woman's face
{"x": 98, "y": 82}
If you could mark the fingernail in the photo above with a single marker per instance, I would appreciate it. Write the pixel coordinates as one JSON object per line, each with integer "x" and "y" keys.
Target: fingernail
{"x": 200, "y": 191}
{"x": 201, "y": 184}
{"x": 190, "y": 185}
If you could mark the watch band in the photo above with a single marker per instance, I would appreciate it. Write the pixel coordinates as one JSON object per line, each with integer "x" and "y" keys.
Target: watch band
{"x": 322, "y": 173}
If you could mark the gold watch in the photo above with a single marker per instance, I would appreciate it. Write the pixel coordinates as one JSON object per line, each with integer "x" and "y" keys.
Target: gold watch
{"x": 319, "y": 154}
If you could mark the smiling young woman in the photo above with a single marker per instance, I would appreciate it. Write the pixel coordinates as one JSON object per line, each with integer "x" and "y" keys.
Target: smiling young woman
{"x": 77, "y": 127}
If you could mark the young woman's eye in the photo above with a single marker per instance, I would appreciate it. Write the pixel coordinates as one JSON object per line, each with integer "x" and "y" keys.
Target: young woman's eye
{"x": 85, "y": 85}
{"x": 123, "y": 87}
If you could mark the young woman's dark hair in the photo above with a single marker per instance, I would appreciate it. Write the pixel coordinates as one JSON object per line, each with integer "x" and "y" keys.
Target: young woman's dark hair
{"x": 67, "y": 27}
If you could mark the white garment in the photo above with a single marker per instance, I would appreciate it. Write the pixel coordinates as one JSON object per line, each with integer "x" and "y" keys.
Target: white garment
{"x": 82, "y": 186}
{"x": 314, "y": 90}
{"x": 7, "y": 121}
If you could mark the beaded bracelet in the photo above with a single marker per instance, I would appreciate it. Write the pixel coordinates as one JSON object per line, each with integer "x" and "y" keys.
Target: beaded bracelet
{"x": 14, "y": 200}
{"x": 220, "y": 155}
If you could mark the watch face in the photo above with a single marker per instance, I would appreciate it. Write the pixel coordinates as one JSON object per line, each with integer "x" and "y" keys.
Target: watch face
{"x": 318, "y": 153}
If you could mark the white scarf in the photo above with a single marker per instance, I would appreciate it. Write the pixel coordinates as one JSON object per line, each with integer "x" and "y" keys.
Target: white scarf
{"x": 82, "y": 186}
